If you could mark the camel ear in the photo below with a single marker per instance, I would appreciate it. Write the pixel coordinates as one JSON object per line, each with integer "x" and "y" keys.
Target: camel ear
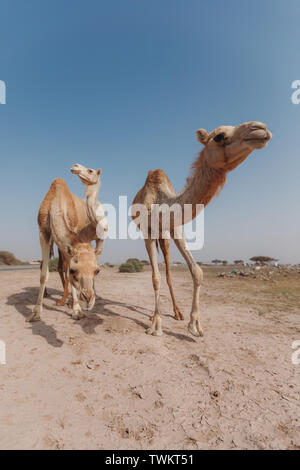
{"x": 99, "y": 171}
{"x": 202, "y": 136}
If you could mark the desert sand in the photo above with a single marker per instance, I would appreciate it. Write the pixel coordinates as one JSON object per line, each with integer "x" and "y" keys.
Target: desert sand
{"x": 102, "y": 383}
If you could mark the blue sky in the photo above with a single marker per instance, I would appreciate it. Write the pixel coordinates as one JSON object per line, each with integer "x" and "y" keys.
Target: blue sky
{"x": 124, "y": 84}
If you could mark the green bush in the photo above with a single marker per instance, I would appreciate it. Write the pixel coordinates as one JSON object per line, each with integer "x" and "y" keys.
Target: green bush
{"x": 133, "y": 265}
{"x": 53, "y": 265}
{"x": 126, "y": 268}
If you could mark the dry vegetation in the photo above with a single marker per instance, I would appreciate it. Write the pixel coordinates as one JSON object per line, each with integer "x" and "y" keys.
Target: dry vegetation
{"x": 8, "y": 258}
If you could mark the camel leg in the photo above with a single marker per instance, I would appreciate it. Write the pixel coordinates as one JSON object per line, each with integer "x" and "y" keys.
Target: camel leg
{"x": 63, "y": 262}
{"x": 155, "y": 328}
{"x": 37, "y": 310}
{"x": 197, "y": 275}
{"x": 77, "y": 312}
{"x": 45, "y": 291}
{"x": 165, "y": 248}
{"x": 64, "y": 297}
{"x": 60, "y": 268}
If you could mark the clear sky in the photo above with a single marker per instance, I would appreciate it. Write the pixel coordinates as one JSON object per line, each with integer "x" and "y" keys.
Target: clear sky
{"x": 124, "y": 84}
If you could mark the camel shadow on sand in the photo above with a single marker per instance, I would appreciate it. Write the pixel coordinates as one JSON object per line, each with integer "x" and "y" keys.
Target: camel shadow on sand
{"x": 21, "y": 302}
{"x": 24, "y": 300}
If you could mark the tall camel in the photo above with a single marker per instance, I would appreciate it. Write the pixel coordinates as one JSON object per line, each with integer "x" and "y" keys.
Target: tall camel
{"x": 70, "y": 222}
{"x": 224, "y": 149}
{"x": 96, "y": 217}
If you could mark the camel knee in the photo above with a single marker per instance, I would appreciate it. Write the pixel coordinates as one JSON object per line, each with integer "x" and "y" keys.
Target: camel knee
{"x": 197, "y": 275}
{"x": 43, "y": 278}
{"x": 156, "y": 283}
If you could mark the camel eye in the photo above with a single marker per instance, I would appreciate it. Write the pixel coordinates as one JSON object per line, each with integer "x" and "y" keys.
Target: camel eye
{"x": 97, "y": 271}
{"x": 90, "y": 171}
{"x": 219, "y": 137}
{"x": 72, "y": 272}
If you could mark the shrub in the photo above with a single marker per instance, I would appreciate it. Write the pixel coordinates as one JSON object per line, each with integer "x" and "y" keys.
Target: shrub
{"x": 133, "y": 265}
{"x": 126, "y": 268}
{"x": 262, "y": 259}
{"x": 132, "y": 260}
{"x": 8, "y": 258}
{"x": 53, "y": 265}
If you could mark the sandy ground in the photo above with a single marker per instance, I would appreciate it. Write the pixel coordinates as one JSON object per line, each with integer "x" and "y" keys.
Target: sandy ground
{"x": 102, "y": 383}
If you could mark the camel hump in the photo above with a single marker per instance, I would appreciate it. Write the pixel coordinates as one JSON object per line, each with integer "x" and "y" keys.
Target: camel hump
{"x": 58, "y": 185}
{"x": 157, "y": 177}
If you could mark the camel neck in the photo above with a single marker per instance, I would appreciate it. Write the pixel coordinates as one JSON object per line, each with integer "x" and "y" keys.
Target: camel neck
{"x": 203, "y": 183}
{"x": 92, "y": 191}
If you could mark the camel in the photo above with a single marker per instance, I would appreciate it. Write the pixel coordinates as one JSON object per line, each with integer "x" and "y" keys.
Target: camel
{"x": 224, "y": 149}
{"x": 71, "y": 223}
{"x": 95, "y": 214}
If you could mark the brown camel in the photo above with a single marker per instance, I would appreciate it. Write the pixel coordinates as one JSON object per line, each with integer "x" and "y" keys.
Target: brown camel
{"x": 64, "y": 220}
{"x": 96, "y": 216}
{"x": 224, "y": 149}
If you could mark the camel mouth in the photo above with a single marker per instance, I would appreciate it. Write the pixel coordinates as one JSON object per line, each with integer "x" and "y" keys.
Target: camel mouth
{"x": 87, "y": 305}
{"x": 75, "y": 170}
{"x": 84, "y": 180}
{"x": 259, "y": 137}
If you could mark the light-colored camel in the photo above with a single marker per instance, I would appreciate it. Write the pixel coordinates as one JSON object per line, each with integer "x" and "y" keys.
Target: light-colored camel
{"x": 95, "y": 215}
{"x": 224, "y": 149}
{"x": 65, "y": 219}
{"x": 95, "y": 212}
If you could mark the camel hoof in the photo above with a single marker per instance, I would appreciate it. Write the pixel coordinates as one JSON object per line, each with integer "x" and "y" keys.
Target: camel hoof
{"x": 33, "y": 317}
{"x": 152, "y": 332}
{"x": 157, "y": 333}
{"x": 195, "y": 329}
{"x": 77, "y": 315}
{"x": 178, "y": 315}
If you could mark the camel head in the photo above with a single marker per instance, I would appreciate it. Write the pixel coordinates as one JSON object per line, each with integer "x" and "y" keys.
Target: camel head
{"x": 83, "y": 267}
{"x": 87, "y": 175}
{"x": 228, "y": 146}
